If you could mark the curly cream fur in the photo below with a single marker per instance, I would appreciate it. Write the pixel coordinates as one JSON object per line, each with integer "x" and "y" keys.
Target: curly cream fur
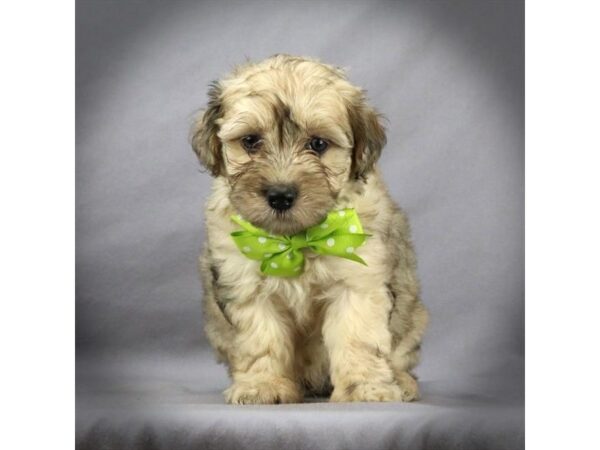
{"x": 340, "y": 326}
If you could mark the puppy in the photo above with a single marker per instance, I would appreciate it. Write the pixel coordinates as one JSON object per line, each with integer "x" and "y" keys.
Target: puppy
{"x": 289, "y": 141}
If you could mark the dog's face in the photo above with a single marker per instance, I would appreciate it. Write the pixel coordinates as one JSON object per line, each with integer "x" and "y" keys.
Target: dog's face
{"x": 287, "y": 133}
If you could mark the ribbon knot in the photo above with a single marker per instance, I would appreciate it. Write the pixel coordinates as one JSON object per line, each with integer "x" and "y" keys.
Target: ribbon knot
{"x": 340, "y": 234}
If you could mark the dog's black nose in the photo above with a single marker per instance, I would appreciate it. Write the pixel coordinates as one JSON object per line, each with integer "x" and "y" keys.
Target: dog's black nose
{"x": 281, "y": 197}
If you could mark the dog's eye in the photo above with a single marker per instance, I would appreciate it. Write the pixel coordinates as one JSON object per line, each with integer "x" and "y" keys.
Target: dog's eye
{"x": 317, "y": 145}
{"x": 251, "y": 142}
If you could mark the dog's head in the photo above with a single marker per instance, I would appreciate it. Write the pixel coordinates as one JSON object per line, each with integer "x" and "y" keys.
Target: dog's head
{"x": 287, "y": 133}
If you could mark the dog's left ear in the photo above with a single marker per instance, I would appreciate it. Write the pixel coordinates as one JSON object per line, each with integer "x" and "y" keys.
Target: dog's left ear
{"x": 369, "y": 137}
{"x": 205, "y": 142}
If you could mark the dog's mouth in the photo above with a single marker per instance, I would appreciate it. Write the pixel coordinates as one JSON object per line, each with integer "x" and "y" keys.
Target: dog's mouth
{"x": 283, "y": 223}
{"x": 287, "y": 222}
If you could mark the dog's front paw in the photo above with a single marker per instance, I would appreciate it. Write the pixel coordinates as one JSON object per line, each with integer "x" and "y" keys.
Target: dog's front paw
{"x": 367, "y": 392}
{"x": 409, "y": 386}
{"x": 271, "y": 390}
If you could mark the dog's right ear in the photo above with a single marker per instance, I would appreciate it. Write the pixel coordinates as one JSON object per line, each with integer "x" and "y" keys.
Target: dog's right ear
{"x": 205, "y": 142}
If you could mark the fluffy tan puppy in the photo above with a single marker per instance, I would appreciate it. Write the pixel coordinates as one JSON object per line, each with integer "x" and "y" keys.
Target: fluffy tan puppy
{"x": 288, "y": 140}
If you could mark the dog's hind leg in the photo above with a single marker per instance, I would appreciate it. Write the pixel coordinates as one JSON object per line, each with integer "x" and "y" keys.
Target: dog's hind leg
{"x": 408, "y": 320}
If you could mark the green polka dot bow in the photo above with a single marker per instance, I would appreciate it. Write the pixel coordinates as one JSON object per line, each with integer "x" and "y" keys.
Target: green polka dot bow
{"x": 340, "y": 234}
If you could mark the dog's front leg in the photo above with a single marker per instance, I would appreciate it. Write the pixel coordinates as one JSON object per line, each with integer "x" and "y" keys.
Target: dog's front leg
{"x": 262, "y": 359}
{"x": 358, "y": 341}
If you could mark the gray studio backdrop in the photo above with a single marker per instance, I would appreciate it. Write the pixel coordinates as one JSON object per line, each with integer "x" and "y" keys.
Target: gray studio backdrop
{"x": 449, "y": 78}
